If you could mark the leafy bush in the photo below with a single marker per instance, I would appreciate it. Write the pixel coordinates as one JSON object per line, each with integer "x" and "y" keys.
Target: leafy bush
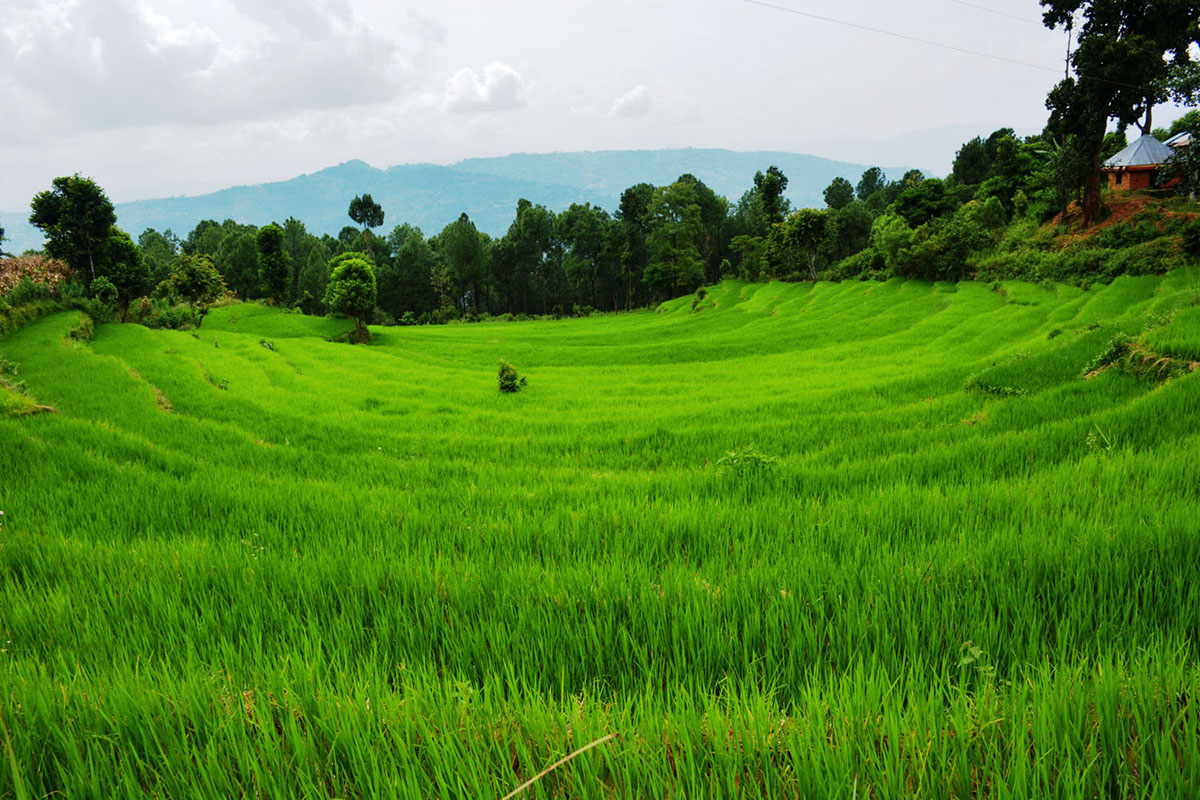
{"x": 27, "y": 290}
{"x": 103, "y": 291}
{"x": 746, "y": 462}
{"x": 167, "y": 316}
{"x": 863, "y": 264}
{"x": 510, "y": 380}
{"x": 1116, "y": 349}
{"x": 1190, "y": 238}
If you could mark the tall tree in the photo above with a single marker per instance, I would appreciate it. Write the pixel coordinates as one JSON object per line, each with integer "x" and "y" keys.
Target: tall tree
{"x": 404, "y": 282}
{"x": 839, "y": 194}
{"x": 971, "y": 163}
{"x": 714, "y": 213}
{"x": 808, "y": 232}
{"x": 1123, "y": 65}
{"x": 237, "y": 261}
{"x": 872, "y": 181}
{"x": 771, "y": 185}
{"x": 274, "y": 265}
{"x": 126, "y": 268}
{"x": 633, "y": 214}
{"x": 367, "y": 213}
{"x": 675, "y": 228}
{"x": 204, "y": 239}
{"x": 297, "y": 242}
{"x": 159, "y": 250}
{"x": 463, "y": 249}
{"x": 314, "y": 277}
{"x": 76, "y": 217}
{"x": 582, "y": 229}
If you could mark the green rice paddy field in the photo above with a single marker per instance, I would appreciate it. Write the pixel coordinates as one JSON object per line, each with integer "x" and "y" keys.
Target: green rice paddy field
{"x": 324, "y": 570}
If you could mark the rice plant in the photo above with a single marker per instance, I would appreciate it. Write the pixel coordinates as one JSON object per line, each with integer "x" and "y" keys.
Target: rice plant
{"x": 783, "y": 543}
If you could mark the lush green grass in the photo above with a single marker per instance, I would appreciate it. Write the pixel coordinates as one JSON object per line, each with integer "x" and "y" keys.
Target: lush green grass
{"x": 330, "y": 570}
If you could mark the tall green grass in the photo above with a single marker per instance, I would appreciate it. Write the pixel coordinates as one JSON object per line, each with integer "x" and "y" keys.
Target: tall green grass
{"x": 315, "y": 569}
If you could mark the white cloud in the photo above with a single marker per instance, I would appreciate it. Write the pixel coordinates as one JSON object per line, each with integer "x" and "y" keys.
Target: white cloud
{"x": 105, "y": 64}
{"x": 634, "y": 103}
{"x": 499, "y": 88}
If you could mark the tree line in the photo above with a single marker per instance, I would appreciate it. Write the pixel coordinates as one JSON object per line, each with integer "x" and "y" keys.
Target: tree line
{"x": 661, "y": 241}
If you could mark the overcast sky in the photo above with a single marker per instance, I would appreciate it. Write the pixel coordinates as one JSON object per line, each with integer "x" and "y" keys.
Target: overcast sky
{"x": 161, "y": 97}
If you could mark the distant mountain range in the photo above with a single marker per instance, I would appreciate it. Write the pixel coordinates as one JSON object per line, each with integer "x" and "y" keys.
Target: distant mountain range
{"x": 431, "y": 196}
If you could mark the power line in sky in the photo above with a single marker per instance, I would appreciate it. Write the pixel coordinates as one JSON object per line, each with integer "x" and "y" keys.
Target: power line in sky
{"x": 905, "y": 36}
{"x": 1037, "y": 22}
{"x": 930, "y": 43}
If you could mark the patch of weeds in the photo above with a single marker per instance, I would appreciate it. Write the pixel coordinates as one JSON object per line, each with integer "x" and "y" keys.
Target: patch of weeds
{"x": 746, "y": 462}
{"x": 509, "y": 379}
{"x": 974, "y": 384}
{"x": 81, "y": 333}
{"x": 1054, "y": 333}
{"x": 1117, "y": 348}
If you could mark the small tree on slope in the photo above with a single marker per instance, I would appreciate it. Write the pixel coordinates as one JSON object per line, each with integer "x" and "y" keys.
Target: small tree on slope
{"x": 351, "y": 291}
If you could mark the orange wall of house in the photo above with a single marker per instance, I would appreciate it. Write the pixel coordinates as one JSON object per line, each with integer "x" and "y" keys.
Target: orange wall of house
{"x": 1132, "y": 180}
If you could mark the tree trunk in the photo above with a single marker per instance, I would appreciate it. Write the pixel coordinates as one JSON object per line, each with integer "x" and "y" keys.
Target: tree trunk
{"x": 1091, "y": 186}
{"x": 1148, "y": 125}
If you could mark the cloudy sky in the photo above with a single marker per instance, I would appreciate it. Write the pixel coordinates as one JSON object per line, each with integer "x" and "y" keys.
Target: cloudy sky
{"x": 163, "y": 97}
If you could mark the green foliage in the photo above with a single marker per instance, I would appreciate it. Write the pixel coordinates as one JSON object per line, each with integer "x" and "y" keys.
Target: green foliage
{"x": 126, "y": 269}
{"x": 159, "y": 251}
{"x": 76, "y": 217}
{"x": 274, "y": 265}
{"x": 676, "y": 227}
{"x": 366, "y": 212}
{"x": 839, "y": 194}
{"x": 104, "y": 292}
{"x": 196, "y": 282}
{"x": 746, "y": 463}
{"x": 352, "y": 291}
{"x": 509, "y": 379}
{"x": 1190, "y": 238}
{"x": 770, "y": 187}
{"x": 1124, "y": 61}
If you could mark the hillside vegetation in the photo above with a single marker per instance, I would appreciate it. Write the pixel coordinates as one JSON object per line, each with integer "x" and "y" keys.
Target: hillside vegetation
{"x": 783, "y": 540}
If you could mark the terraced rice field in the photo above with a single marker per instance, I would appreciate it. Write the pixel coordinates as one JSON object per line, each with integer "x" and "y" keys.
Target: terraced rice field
{"x": 942, "y": 564}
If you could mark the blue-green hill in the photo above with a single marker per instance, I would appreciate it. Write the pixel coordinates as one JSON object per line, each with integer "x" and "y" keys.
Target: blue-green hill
{"x": 431, "y": 196}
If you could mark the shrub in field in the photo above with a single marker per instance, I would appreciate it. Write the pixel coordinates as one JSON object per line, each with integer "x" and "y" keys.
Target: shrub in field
{"x": 746, "y": 462}
{"x": 510, "y": 380}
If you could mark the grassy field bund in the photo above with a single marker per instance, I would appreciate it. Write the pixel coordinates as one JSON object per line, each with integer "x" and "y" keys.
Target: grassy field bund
{"x": 251, "y": 562}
